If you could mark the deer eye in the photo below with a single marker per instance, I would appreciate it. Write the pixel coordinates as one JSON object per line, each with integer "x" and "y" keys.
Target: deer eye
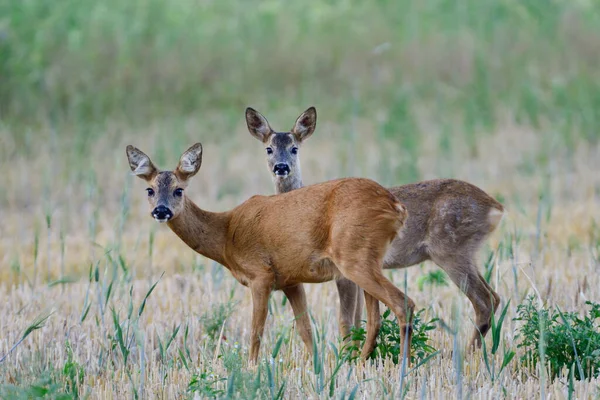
{"x": 269, "y": 150}
{"x": 294, "y": 150}
{"x": 150, "y": 192}
{"x": 178, "y": 192}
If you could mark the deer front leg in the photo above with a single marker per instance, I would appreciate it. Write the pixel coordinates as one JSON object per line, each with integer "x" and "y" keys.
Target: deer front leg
{"x": 260, "y": 300}
{"x": 297, "y": 297}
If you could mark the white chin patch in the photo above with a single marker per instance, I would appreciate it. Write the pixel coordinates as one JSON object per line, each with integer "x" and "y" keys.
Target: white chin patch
{"x": 162, "y": 220}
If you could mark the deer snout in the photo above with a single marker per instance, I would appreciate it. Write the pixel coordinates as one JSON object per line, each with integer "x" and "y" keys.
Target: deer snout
{"x": 162, "y": 214}
{"x": 281, "y": 169}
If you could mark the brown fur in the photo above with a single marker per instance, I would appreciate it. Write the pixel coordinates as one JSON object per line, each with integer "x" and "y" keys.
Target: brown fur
{"x": 337, "y": 228}
{"x": 448, "y": 220}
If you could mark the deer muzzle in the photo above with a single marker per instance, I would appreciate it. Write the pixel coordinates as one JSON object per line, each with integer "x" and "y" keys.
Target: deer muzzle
{"x": 162, "y": 214}
{"x": 281, "y": 169}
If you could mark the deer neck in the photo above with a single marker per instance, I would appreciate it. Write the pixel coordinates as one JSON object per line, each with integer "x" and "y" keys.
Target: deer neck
{"x": 289, "y": 183}
{"x": 203, "y": 231}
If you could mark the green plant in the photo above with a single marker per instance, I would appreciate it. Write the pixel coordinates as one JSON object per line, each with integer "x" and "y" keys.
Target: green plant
{"x": 204, "y": 384}
{"x": 388, "y": 340}
{"x": 73, "y": 372}
{"x": 489, "y": 358}
{"x": 321, "y": 379}
{"x": 213, "y": 319}
{"x": 570, "y": 340}
{"x": 48, "y": 386}
{"x": 241, "y": 383}
{"x": 432, "y": 279}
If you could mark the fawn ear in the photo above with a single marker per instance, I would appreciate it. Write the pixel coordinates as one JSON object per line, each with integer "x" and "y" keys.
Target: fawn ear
{"x": 258, "y": 126}
{"x": 189, "y": 163}
{"x": 140, "y": 163}
{"x": 305, "y": 124}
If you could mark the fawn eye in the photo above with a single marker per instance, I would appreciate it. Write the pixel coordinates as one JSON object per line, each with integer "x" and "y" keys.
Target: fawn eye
{"x": 150, "y": 192}
{"x": 294, "y": 150}
{"x": 269, "y": 150}
{"x": 178, "y": 192}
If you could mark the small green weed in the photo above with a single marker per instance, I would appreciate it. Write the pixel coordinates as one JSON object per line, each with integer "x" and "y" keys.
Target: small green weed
{"x": 204, "y": 384}
{"x": 570, "y": 340}
{"x": 46, "y": 386}
{"x": 214, "y": 318}
{"x": 489, "y": 356}
{"x": 432, "y": 279}
{"x": 388, "y": 340}
{"x": 73, "y": 372}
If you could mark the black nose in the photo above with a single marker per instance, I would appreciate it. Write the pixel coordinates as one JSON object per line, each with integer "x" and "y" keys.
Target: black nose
{"x": 162, "y": 213}
{"x": 281, "y": 169}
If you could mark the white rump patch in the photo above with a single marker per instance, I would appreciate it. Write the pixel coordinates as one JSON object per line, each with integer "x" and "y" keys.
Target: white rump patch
{"x": 494, "y": 218}
{"x": 401, "y": 208}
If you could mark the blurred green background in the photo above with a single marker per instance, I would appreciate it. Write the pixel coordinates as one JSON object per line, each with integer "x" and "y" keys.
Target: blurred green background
{"x": 469, "y": 62}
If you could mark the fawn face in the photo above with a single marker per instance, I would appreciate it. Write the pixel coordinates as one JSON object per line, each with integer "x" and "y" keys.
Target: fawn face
{"x": 165, "y": 188}
{"x": 282, "y": 147}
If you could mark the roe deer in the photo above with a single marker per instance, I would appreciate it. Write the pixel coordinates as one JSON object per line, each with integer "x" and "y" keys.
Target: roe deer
{"x": 310, "y": 235}
{"x": 447, "y": 222}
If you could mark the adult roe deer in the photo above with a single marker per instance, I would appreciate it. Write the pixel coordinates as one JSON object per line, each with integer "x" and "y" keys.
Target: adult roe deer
{"x": 313, "y": 234}
{"x": 447, "y": 222}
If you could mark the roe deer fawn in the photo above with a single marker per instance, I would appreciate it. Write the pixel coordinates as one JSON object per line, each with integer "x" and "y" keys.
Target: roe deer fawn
{"x": 447, "y": 222}
{"x": 313, "y": 234}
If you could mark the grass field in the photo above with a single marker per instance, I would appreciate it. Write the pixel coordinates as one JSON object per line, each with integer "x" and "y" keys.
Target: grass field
{"x": 504, "y": 94}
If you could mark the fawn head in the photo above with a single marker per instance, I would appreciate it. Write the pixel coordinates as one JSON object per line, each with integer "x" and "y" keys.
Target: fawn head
{"x": 282, "y": 147}
{"x": 165, "y": 188}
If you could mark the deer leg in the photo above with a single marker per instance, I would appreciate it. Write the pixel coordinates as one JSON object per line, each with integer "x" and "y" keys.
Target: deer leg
{"x": 359, "y": 307}
{"x": 496, "y": 297}
{"x": 372, "y": 281}
{"x": 348, "y": 292}
{"x": 260, "y": 306}
{"x": 297, "y": 297}
{"x": 373, "y": 324}
{"x": 463, "y": 272}
{"x": 358, "y": 312}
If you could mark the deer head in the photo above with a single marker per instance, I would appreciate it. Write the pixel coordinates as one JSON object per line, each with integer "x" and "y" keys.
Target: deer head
{"x": 282, "y": 147}
{"x": 165, "y": 188}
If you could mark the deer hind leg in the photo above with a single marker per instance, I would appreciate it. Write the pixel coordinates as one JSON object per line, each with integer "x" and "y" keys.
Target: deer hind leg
{"x": 348, "y": 292}
{"x": 463, "y": 272}
{"x": 297, "y": 297}
{"x": 373, "y": 324}
{"x": 371, "y": 280}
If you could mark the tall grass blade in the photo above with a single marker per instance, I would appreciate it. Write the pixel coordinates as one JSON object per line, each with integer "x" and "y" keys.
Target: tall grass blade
{"x": 143, "y": 305}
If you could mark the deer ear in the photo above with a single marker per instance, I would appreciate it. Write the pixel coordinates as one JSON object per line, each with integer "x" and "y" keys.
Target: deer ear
{"x": 189, "y": 163}
{"x": 140, "y": 163}
{"x": 305, "y": 124}
{"x": 258, "y": 126}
